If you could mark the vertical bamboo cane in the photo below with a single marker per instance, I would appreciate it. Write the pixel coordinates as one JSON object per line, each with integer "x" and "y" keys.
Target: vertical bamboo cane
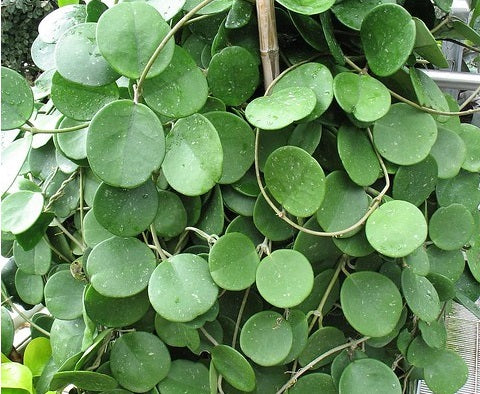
{"x": 267, "y": 30}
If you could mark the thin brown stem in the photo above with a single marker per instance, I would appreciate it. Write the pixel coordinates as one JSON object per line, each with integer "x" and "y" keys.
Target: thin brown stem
{"x": 209, "y": 337}
{"x": 319, "y": 315}
{"x": 470, "y": 98}
{"x": 69, "y": 235}
{"x": 156, "y": 242}
{"x": 239, "y": 317}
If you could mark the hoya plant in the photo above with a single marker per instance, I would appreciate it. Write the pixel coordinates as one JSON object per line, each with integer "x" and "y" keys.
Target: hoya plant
{"x": 229, "y": 196}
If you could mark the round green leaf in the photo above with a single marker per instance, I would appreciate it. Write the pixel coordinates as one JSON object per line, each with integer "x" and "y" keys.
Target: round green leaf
{"x": 120, "y": 267}
{"x": 94, "y": 232}
{"x": 434, "y": 333}
{"x": 181, "y": 288}
{"x": 416, "y": 182}
{"x": 396, "y": 229}
{"x": 314, "y": 76}
{"x": 180, "y": 90}
{"x": 177, "y": 334}
{"x": 296, "y": 180}
{"x": 237, "y": 144}
{"x": 12, "y": 159}
{"x": 233, "y": 262}
{"x": 35, "y": 261}
{"x": 462, "y": 189}
{"x": 450, "y": 264}
{"x": 171, "y": 217}
{"x": 352, "y": 12}
{"x": 421, "y": 296}
{"x": 86, "y": 380}
{"x": 446, "y": 373}
{"x": 238, "y": 202}
{"x": 233, "y": 367}
{"x": 125, "y": 143}
{"x": 284, "y": 278}
{"x": 369, "y": 376}
{"x": 185, "y": 377}
{"x": 20, "y": 211}
{"x": 139, "y": 360}
{"x": 418, "y": 261}
{"x": 449, "y": 151}
{"x": 344, "y": 203}
{"x": 126, "y": 212}
{"x": 81, "y": 102}
{"x": 17, "y": 100}
{"x": 357, "y": 155}
{"x": 233, "y": 75}
{"x": 16, "y": 378}
{"x": 66, "y": 338}
{"x": 357, "y": 245}
{"x": 321, "y": 341}
{"x": 266, "y": 338}
{"x": 37, "y": 354}
{"x": 366, "y": 98}
{"x": 43, "y": 54}
{"x": 313, "y": 382}
{"x": 405, "y": 135}
{"x": 299, "y": 323}
{"x": 470, "y": 135}
{"x": 78, "y": 59}
{"x": 115, "y": 312}
{"x": 451, "y": 227}
{"x": 388, "y": 36}
{"x": 307, "y": 7}
{"x": 57, "y": 22}
{"x": 64, "y": 296}
{"x": 8, "y": 331}
{"x": 194, "y": 158}
{"x": 73, "y": 144}
{"x": 306, "y": 136}
{"x": 269, "y": 113}
{"x": 127, "y": 36}
{"x": 371, "y": 303}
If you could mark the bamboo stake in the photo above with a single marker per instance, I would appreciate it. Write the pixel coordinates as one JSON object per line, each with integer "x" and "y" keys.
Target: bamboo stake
{"x": 267, "y": 31}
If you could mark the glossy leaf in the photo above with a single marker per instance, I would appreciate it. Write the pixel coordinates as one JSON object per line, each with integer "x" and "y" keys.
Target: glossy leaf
{"x": 307, "y": 7}
{"x": 139, "y": 360}
{"x": 404, "y": 135}
{"x": 116, "y": 262}
{"x": 233, "y": 367}
{"x": 194, "y": 158}
{"x": 284, "y": 278}
{"x": 407, "y": 228}
{"x": 352, "y": 12}
{"x": 64, "y": 296}
{"x": 296, "y": 180}
{"x": 320, "y": 342}
{"x": 20, "y": 210}
{"x": 449, "y": 151}
{"x": 181, "y": 288}
{"x": 127, "y": 36}
{"x": 138, "y": 148}
{"x": 185, "y": 376}
{"x": 17, "y": 99}
{"x": 37, "y": 354}
{"x": 371, "y": 303}
{"x": 388, "y": 37}
{"x": 35, "y": 261}
{"x": 13, "y": 157}
{"x": 269, "y": 113}
{"x": 266, "y": 338}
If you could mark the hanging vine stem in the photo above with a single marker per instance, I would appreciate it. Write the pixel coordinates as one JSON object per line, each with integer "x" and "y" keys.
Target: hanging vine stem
{"x": 156, "y": 242}
{"x": 239, "y": 316}
{"x": 69, "y": 235}
{"x": 35, "y": 130}
{"x": 23, "y": 316}
{"x": 164, "y": 42}
{"x": 413, "y": 104}
{"x": 373, "y": 206}
{"x": 341, "y": 263}
{"x": 209, "y": 337}
{"x": 55, "y": 250}
{"x": 60, "y": 192}
{"x": 311, "y": 364}
{"x": 80, "y": 172}
{"x": 210, "y": 238}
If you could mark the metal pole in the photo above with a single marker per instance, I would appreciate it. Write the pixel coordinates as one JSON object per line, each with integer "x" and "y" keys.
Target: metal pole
{"x": 454, "y": 80}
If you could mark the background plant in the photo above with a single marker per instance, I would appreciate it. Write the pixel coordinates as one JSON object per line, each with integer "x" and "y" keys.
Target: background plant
{"x": 192, "y": 229}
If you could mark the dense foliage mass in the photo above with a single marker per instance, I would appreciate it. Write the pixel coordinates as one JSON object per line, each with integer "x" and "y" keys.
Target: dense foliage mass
{"x": 190, "y": 232}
